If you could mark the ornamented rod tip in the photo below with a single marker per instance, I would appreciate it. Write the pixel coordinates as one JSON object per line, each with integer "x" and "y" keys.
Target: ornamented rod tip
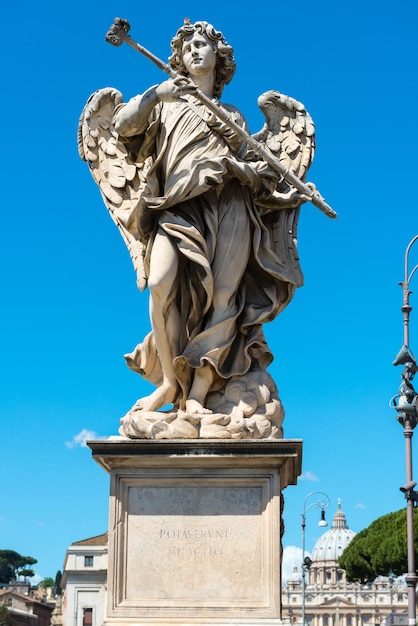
{"x": 117, "y": 32}
{"x": 187, "y": 21}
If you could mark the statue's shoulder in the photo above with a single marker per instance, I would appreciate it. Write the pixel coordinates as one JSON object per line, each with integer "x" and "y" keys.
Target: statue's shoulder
{"x": 235, "y": 113}
{"x": 231, "y": 108}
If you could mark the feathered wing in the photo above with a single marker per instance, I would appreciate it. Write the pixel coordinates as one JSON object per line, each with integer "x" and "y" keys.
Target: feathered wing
{"x": 120, "y": 179}
{"x": 289, "y": 133}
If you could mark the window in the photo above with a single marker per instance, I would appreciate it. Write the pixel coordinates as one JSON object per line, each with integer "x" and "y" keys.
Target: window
{"x": 87, "y": 616}
{"x": 349, "y": 620}
{"x": 88, "y": 561}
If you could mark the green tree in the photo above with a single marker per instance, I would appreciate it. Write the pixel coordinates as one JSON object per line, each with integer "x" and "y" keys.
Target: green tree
{"x": 380, "y": 549}
{"x": 47, "y": 582}
{"x": 13, "y": 565}
{"x": 6, "y": 572}
{"x": 57, "y": 585}
{"x": 6, "y": 618}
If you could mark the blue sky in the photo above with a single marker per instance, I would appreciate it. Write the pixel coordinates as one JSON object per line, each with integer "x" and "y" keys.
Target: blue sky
{"x": 70, "y": 308}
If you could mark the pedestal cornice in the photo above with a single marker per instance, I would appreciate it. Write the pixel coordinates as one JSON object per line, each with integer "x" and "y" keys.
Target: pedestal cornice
{"x": 285, "y": 454}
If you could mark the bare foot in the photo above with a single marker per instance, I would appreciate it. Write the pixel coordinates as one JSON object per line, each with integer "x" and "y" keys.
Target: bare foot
{"x": 193, "y": 407}
{"x": 165, "y": 394}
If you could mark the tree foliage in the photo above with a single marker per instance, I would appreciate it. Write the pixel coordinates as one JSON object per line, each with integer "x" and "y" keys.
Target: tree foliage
{"x": 6, "y": 617}
{"x": 13, "y": 565}
{"x": 380, "y": 549}
{"x": 57, "y": 585}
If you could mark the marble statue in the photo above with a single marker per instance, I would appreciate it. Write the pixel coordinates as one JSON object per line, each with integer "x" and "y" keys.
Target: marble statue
{"x": 211, "y": 229}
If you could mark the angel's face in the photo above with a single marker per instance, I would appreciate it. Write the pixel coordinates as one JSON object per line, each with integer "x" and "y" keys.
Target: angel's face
{"x": 199, "y": 55}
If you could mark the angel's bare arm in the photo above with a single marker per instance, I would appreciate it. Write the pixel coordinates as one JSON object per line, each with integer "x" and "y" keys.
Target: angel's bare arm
{"x": 132, "y": 118}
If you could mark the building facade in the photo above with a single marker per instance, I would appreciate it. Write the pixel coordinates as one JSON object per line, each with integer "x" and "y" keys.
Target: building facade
{"x": 25, "y": 610}
{"x": 84, "y": 582}
{"x": 332, "y": 601}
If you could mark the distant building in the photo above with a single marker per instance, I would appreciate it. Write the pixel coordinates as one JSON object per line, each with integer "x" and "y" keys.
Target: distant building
{"x": 56, "y": 617}
{"x": 84, "y": 582}
{"x": 332, "y": 601}
{"x": 22, "y": 587}
{"x": 26, "y": 611}
{"x": 397, "y": 619}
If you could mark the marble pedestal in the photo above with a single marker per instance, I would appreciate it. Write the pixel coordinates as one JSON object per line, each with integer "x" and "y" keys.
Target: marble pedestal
{"x": 195, "y": 529}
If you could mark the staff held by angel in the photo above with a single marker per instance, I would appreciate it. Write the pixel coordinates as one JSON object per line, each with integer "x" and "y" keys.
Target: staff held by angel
{"x": 211, "y": 228}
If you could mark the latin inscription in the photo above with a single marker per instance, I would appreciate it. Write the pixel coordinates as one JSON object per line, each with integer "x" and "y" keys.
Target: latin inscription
{"x": 194, "y": 534}
{"x": 196, "y": 544}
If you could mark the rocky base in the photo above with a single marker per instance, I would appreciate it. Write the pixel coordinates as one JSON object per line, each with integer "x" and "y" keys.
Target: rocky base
{"x": 248, "y": 407}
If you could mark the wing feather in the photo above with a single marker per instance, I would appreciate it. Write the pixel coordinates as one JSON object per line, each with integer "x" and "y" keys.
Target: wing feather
{"x": 121, "y": 181}
{"x": 289, "y": 133}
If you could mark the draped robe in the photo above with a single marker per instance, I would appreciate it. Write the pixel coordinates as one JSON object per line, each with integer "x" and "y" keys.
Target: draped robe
{"x": 199, "y": 193}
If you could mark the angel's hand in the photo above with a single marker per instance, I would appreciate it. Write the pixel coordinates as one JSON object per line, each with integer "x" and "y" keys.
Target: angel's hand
{"x": 173, "y": 89}
{"x": 233, "y": 140}
{"x": 290, "y": 199}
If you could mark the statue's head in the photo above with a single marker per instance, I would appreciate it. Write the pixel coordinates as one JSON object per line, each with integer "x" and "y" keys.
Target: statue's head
{"x": 225, "y": 62}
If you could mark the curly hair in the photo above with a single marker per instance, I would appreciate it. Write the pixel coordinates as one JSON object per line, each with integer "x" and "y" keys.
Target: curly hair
{"x": 225, "y": 62}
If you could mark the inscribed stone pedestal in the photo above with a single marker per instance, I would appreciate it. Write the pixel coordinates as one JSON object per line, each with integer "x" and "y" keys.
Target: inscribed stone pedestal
{"x": 194, "y": 532}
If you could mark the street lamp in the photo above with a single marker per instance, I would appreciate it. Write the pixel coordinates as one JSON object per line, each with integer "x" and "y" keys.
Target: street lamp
{"x": 405, "y": 403}
{"x": 322, "y": 504}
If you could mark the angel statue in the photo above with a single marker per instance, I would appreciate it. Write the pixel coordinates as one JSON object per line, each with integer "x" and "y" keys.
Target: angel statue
{"x": 211, "y": 229}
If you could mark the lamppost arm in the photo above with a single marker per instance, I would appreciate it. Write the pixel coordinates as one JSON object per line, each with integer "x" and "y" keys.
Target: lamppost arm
{"x": 406, "y": 308}
{"x": 322, "y": 503}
